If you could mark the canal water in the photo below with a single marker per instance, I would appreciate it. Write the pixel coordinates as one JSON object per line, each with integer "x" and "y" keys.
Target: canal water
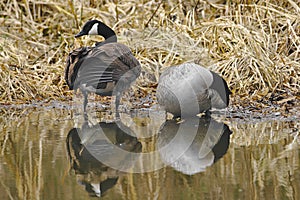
{"x": 50, "y": 152}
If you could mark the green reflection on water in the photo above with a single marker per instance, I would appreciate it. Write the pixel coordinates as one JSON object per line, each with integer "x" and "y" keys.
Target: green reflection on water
{"x": 262, "y": 162}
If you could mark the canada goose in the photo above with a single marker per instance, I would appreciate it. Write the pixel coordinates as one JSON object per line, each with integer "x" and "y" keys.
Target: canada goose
{"x": 99, "y": 156}
{"x": 192, "y": 145}
{"x": 189, "y": 89}
{"x": 106, "y": 69}
{"x": 108, "y": 148}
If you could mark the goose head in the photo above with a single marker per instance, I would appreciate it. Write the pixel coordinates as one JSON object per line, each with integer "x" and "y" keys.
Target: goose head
{"x": 96, "y": 27}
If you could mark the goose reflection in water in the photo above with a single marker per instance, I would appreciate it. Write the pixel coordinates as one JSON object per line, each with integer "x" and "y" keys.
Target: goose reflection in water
{"x": 92, "y": 153}
{"x": 209, "y": 143}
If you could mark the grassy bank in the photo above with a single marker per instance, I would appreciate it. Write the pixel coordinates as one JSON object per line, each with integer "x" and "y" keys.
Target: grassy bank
{"x": 254, "y": 45}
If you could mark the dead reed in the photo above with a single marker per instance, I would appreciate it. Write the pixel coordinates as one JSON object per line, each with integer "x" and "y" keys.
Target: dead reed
{"x": 254, "y": 45}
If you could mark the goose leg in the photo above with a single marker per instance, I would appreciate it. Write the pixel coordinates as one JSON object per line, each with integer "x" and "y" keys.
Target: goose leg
{"x": 85, "y": 101}
{"x": 208, "y": 113}
{"x": 118, "y": 97}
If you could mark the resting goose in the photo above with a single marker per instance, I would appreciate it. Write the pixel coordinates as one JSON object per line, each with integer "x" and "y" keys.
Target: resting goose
{"x": 190, "y": 89}
{"x": 107, "y": 69}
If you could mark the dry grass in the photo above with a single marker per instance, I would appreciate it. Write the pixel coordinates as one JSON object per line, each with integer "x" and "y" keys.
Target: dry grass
{"x": 254, "y": 45}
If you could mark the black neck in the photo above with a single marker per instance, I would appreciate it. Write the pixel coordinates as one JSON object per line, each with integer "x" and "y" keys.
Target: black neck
{"x": 107, "y": 33}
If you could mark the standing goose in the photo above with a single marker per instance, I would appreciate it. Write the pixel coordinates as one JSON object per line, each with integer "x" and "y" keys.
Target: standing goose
{"x": 189, "y": 89}
{"x": 107, "y": 69}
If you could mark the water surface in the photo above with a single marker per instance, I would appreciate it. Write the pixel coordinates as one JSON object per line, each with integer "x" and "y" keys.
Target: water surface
{"x": 50, "y": 153}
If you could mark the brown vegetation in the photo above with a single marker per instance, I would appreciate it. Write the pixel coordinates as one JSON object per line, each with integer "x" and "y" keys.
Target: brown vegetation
{"x": 254, "y": 45}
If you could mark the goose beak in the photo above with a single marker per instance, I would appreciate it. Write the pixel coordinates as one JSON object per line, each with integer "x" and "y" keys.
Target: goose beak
{"x": 81, "y": 33}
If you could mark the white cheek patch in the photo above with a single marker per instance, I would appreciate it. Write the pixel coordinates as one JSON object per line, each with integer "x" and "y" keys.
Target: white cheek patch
{"x": 94, "y": 29}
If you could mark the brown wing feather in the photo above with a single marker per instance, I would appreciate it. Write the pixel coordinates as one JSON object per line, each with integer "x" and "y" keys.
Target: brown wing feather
{"x": 73, "y": 63}
{"x": 118, "y": 59}
{"x": 96, "y": 66}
